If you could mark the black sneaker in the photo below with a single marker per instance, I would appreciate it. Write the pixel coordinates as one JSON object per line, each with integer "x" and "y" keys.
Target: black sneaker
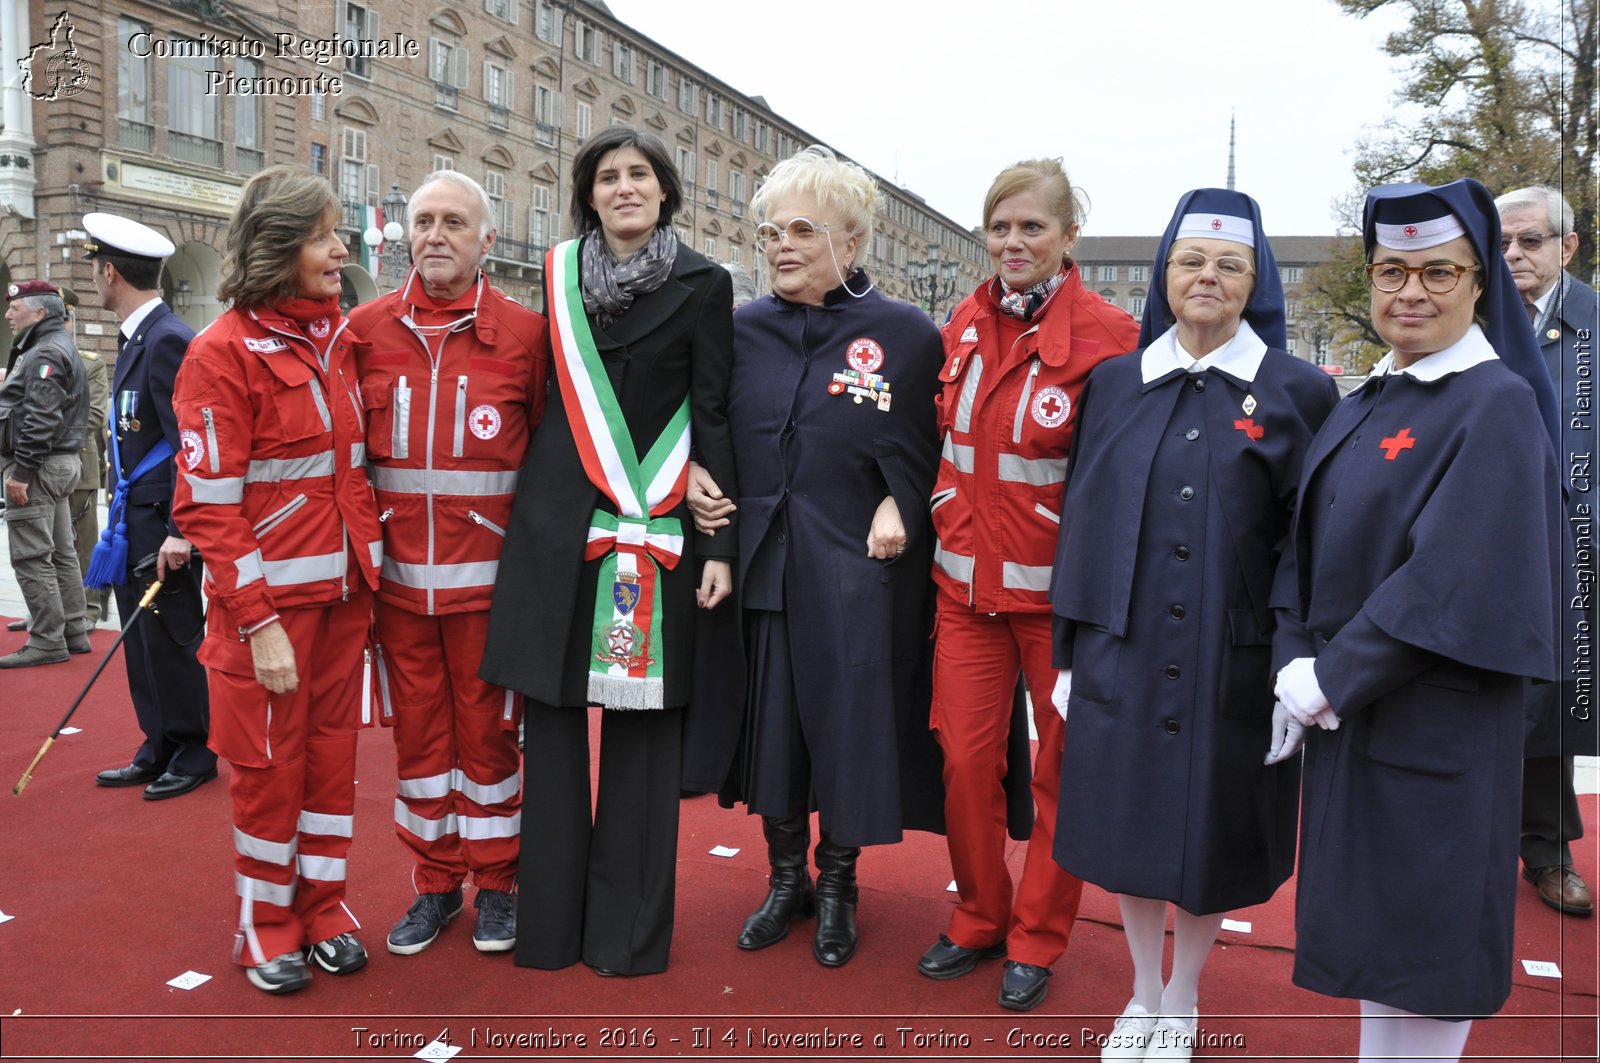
{"x": 497, "y": 921}
{"x": 282, "y": 974}
{"x": 340, "y": 954}
{"x": 423, "y": 921}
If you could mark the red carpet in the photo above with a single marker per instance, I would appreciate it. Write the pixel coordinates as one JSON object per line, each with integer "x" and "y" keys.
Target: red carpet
{"x": 113, "y": 895}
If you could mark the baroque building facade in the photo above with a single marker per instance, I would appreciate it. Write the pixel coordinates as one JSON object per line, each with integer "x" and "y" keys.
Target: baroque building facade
{"x": 161, "y": 111}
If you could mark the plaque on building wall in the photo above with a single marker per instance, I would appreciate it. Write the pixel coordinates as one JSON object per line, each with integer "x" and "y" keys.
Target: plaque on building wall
{"x": 172, "y": 185}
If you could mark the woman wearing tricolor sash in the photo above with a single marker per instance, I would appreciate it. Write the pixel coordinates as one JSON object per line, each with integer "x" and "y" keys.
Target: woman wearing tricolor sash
{"x": 598, "y": 582}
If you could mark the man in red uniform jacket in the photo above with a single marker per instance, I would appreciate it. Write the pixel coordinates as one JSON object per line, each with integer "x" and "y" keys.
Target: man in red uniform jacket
{"x": 454, "y": 377}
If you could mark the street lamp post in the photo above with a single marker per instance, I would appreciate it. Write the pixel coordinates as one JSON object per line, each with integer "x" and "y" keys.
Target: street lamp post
{"x": 933, "y": 282}
{"x": 392, "y": 236}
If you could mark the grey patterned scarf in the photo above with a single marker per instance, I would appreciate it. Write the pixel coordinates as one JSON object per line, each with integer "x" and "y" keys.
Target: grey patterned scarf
{"x": 609, "y": 286}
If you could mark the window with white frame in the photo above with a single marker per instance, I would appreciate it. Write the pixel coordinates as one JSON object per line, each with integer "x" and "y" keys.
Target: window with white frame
{"x": 763, "y": 136}
{"x": 547, "y": 22}
{"x": 710, "y": 248}
{"x": 713, "y": 110}
{"x": 711, "y": 176}
{"x": 192, "y": 111}
{"x": 503, "y": 9}
{"x": 444, "y": 162}
{"x": 319, "y": 106}
{"x": 541, "y": 224}
{"x": 688, "y": 96}
{"x": 685, "y": 162}
{"x": 622, "y": 62}
{"x": 247, "y": 122}
{"x": 1106, "y": 273}
{"x": 353, "y": 166}
{"x": 655, "y": 80}
{"x": 585, "y": 121}
{"x": 133, "y": 75}
{"x": 360, "y": 24}
{"x": 736, "y": 193}
{"x": 500, "y": 208}
{"x": 497, "y": 85}
{"x": 319, "y": 159}
{"x": 546, "y": 114}
{"x": 1291, "y": 274}
{"x": 735, "y": 253}
{"x": 1138, "y": 273}
{"x": 1136, "y": 305}
{"x": 447, "y": 65}
{"x": 785, "y": 146}
{"x": 586, "y": 42}
{"x": 741, "y": 124}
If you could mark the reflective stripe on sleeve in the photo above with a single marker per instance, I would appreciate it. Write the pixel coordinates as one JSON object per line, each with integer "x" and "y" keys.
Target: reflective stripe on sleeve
{"x": 276, "y": 470}
{"x": 956, "y": 566}
{"x": 358, "y": 455}
{"x": 292, "y": 571}
{"x": 247, "y": 570}
{"x": 220, "y": 491}
{"x": 322, "y": 404}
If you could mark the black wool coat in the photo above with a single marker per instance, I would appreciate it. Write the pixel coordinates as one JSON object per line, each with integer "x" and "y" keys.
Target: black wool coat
{"x": 674, "y": 340}
{"x": 814, "y": 465}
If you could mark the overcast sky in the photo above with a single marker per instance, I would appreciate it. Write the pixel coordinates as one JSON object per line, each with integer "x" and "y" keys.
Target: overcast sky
{"x": 1134, "y": 96}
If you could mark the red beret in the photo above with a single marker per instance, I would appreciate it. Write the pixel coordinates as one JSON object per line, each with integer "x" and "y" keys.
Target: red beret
{"x": 25, "y": 288}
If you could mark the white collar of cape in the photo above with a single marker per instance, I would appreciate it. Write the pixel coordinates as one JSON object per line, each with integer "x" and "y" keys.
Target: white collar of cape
{"x": 1240, "y": 357}
{"x": 1464, "y": 353}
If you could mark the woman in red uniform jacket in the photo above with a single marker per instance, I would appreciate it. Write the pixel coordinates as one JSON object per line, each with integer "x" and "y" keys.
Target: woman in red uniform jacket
{"x": 272, "y": 488}
{"x": 1017, "y": 352}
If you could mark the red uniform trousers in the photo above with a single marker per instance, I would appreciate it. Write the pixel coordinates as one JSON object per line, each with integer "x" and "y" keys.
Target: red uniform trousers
{"x": 294, "y": 775}
{"x": 976, "y": 661}
{"x": 459, "y": 800}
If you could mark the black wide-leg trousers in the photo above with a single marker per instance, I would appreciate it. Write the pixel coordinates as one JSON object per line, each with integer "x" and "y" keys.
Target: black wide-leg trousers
{"x": 598, "y": 888}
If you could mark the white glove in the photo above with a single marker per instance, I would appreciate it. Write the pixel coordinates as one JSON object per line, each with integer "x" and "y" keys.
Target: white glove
{"x": 1301, "y": 694}
{"x": 1063, "y": 691}
{"x": 1287, "y": 735}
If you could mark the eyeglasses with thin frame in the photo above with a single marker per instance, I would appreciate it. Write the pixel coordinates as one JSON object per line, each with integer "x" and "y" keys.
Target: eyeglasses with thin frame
{"x": 1529, "y": 242}
{"x": 801, "y": 232}
{"x": 1227, "y": 265}
{"x": 1440, "y": 278}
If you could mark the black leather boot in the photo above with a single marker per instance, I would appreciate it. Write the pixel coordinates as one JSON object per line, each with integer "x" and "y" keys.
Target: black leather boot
{"x": 836, "y": 903}
{"x": 790, "y": 896}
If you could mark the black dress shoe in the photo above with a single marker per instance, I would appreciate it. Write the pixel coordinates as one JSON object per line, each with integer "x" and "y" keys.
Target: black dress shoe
{"x": 170, "y": 785}
{"x": 946, "y": 959}
{"x": 1023, "y": 986}
{"x": 132, "y": 775}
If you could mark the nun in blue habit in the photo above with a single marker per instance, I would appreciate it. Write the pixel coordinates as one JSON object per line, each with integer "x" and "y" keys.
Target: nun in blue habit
{"x": 1182, "y": 481}
{"x": 1425, "y": 560}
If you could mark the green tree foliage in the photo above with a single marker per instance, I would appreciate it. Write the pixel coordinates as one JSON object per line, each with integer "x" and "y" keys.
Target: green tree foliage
{"x": 1500, "y": 90}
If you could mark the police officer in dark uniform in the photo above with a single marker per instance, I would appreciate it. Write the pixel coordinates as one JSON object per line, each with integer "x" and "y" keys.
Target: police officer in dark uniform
{"x": 165, "y": 677}
{"x": 44, "y": 405}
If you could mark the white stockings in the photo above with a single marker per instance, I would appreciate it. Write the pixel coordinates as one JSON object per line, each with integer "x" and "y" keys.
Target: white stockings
{"x": 1392, "y": 1035}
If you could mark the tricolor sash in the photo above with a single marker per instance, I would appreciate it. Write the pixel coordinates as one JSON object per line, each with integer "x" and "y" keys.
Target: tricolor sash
{"x": 625, "y": 666}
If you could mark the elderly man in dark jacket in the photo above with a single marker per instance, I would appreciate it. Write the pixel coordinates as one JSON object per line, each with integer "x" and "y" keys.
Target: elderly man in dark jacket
{"x": 1538, "y": 239}
{"x": 44, "y": 406}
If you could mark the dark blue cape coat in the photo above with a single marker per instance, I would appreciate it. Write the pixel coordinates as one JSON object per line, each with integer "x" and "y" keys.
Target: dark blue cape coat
{"x": 1163, "y": 609}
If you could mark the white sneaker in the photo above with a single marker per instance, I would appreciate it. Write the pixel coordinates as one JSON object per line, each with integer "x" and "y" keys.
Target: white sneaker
{"x": 1129, "y": 1035}
{"x": 1173, "y": 1038}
